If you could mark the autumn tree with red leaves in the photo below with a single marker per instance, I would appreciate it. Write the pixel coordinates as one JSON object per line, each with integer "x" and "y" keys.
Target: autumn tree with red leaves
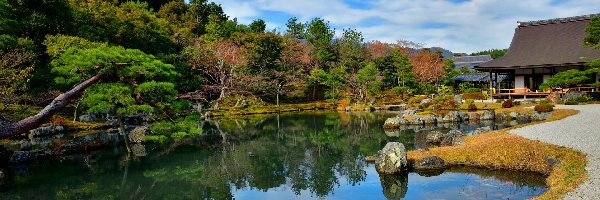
{"x": 428, "y": 67}
{"x": 219, "y": 62}
{"x": 378, "y": 49}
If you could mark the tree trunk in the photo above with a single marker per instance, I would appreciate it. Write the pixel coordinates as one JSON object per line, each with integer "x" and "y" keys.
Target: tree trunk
{"x": 43, "y": 116}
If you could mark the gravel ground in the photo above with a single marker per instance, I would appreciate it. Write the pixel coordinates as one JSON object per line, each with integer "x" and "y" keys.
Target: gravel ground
{"x": 581, "y": 132}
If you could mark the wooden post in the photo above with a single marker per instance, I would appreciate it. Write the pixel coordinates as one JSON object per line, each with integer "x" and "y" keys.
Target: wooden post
{"x": 496, "y": 81}
{"x": 491, "y": 86}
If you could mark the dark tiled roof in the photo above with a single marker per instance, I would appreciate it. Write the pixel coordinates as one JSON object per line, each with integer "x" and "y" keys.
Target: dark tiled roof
{"x": 479, "y": 77}
{"x": 553, "y": 42}
{"x": 470, "y": 61}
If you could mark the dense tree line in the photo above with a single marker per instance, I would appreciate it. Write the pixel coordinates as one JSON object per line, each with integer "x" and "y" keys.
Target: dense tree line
{"x": 495, "y": 53}
{"x": 161, "y": 56}
{"x": 214, "y": 56}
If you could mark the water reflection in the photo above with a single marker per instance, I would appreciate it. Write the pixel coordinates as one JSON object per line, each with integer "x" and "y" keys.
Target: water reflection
{"x": 301, "y": 155}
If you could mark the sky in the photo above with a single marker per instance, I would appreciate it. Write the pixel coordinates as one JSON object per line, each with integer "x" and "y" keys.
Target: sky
{"x": 463, "y": 26}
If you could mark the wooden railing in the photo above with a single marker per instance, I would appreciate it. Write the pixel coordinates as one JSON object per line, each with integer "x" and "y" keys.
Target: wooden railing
{"x": 579, "y": 88}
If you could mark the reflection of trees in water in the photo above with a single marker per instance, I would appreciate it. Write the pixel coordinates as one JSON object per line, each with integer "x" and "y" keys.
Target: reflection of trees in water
{"x": 308, "y": 153}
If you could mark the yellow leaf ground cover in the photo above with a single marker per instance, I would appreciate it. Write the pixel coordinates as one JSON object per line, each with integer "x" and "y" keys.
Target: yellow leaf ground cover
{"x": 501, "y": 150}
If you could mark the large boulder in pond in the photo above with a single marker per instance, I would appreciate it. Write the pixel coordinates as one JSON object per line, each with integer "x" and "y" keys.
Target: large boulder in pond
{"x": 434, "y": 137}
{"x": 88, "y": 118}
{"x": 430, "y": 163}
{"x": 501, "y": 116}
{"x": 394, "y": 122}
{"x": 391, "y": 159}
{"x": 452, "y": 138}
{"x": 137, "y": 134}
{"x": 488, "y": 115}
{"x": 452, "y": 116}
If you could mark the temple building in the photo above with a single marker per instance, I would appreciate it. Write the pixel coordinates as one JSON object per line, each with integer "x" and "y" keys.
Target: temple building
{"x": 539, "y": 50}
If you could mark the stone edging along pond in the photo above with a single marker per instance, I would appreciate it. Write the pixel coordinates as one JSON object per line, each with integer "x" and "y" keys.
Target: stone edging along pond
{"x": 500, "y": 150}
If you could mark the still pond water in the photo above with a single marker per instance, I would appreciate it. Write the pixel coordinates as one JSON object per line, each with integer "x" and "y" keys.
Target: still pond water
{"x": 309, "y": 155}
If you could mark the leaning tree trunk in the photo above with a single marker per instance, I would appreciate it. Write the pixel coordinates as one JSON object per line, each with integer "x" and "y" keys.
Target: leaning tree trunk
{"x": 43, "y": 116}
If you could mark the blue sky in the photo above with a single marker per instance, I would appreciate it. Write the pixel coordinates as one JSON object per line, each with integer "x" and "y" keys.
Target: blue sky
{"x": 457, "y": 25}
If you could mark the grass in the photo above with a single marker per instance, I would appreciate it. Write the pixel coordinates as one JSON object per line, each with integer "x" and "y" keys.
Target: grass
{"x": 501, "y": 150}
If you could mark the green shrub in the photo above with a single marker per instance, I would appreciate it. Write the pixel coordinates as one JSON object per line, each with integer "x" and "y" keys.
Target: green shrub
{"x": 583, "y": 99}
{"x": 443, "y": 103}
{"x": 183, "y": 127}
{"x": 469, "y": 101}
{"x": 498, "y": 100}
{"x": 571, "y": 102}
{"x": 181, "y": 106}
{"x": 415, "y": 102}
{"x": 507, "y": 104}
{"x": 156, "y": 138}
{"x": 463, "y": 87}
{"x": 545, "y": 107}
{"x": 446, "y": 90}
{"x": 416, "y": 99}
{"x": 595, "y": 96}
{"x": 472, "y": 90}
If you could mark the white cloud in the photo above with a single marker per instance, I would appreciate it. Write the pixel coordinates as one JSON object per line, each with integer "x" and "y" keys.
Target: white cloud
{"x": 461, "y": 27}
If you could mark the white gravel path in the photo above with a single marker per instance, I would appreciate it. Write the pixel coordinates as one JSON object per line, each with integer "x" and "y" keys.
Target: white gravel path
{"x": 581, "y": 132}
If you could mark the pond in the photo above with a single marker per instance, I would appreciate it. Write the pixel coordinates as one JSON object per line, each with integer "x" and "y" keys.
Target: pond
{"x": 308, "y": 155}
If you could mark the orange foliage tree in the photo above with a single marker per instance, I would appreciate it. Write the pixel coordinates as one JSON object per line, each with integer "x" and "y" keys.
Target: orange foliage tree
{"x": 378, "y": 49}
{"x": 427, "y": 66}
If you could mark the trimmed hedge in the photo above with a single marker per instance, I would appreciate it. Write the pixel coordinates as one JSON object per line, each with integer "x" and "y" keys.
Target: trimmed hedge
{"x": 473, "y": 95}
{"x": 544, "y": 107}
{"x": 507, "y": 104}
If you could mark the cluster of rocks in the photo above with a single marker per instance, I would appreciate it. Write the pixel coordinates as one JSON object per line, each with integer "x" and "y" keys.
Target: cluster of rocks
{"x": 52, "y": 140}
{"x": 30, "y": 149}
{"x": 452, "y": 138}
{"x": 409, "y": 117}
